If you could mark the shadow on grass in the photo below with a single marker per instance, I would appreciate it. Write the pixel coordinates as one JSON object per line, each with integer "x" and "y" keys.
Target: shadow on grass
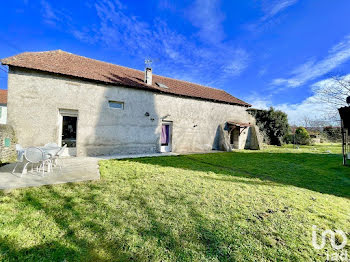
{"x": 72, "y": 221}
{"x": 84, "y": 238}
{"x": 49, "y": 251}
{"x": 323, "y": 173}
{"x": 84, "y": 214}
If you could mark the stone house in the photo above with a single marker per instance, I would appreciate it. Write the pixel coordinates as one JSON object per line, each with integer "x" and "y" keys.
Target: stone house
{"x": 98, "y": 108}
{"x": 3, "y": 106}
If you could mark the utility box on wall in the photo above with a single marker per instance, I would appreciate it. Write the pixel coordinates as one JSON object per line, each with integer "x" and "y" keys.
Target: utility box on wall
{"x": 7, "y": 144}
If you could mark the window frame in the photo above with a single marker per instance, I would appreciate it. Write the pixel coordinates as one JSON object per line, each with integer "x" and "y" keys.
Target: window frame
{"x": 116, "y": 102}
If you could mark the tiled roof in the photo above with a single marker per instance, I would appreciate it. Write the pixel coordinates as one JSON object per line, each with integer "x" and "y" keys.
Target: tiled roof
{"x": 64, "y": 63}
{"x": 3, "y": 96}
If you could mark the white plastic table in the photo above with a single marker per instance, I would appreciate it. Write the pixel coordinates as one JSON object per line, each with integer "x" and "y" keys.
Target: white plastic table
{"x": 51, "y": 150}
{"x": 48, "y": 151}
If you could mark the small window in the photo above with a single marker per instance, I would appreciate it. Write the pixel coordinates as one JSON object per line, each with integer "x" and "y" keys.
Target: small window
{"x": 161, "y": 85}
{"x": 115, "y": 104}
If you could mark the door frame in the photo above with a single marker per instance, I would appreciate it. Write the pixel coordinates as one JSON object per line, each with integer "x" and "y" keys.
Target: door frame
{"x": 234, "y": 137}
{"x": 169, "y": 147}
{"x": 69, "y": 151}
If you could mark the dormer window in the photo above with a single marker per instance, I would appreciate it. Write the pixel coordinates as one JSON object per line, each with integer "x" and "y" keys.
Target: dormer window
{"x": 161, "y": 85}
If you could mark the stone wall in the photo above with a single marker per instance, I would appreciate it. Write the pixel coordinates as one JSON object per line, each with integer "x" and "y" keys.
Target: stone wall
{"x": 35, "y": 100}
{"x": 7, "y": 144}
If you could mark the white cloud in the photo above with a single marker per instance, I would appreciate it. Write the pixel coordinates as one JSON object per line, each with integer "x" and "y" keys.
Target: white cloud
{"x": 55, "y": 16}
{"x": 313, "y": 69}
{"x": 329, "y": 82}
{"x": 333, "y": 92}
{"x": 118, "y": 29}
{"x": 296, "y": 112}
{"x": 238, "y": 64}
{"x": 206, "y": 15}
{"x": 172, "y": 53}
{"x": 315, "y": 107}
{"x": 276, "y": 7}
{"x": 308, "y": 107}
{"x": 259, "y": 103}
{"x": 262, "y": 71}
{"x": 49, "y": 15}
{"x": 271, "y": 9}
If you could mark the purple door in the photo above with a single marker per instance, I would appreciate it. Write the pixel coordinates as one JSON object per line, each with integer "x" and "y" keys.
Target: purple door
{"x": 164, "y": 139}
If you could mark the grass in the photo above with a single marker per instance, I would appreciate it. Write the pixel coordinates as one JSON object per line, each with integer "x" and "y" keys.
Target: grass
{"x": 240, "y": 206}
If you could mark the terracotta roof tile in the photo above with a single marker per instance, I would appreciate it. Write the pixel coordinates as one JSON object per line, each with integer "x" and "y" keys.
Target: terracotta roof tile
{"x": 3, "y": 96}
{"x": 64, "y": 63}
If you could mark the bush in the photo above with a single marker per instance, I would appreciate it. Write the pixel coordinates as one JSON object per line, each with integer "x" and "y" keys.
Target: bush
{"x": 273, "y": 124}
{"x": 288, "y": 138}
{"x": 302, "y": 137}
{"x": 332, "y": 134}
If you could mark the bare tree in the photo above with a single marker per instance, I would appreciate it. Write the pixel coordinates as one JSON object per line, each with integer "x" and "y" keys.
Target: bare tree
{"x": 315, "y": 123}
{"x": 333, "y": 96}
{"x": 306, "y": 120}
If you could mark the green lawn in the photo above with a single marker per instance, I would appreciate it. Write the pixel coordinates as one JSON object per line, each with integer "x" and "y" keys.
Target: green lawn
{"x": 240, "y": 206}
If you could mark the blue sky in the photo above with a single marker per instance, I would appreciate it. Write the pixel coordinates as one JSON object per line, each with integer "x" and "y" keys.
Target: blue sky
{"x": 268, "y": 53}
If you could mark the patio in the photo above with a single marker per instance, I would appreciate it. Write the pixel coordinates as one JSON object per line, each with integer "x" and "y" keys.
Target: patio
{"x": 74, "y": 169}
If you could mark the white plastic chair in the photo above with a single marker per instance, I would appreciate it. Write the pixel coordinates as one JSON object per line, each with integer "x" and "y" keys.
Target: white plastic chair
{"x": 35, "y": 155}
{"x": 20, "y": 152}
{"x": 57, "y": 156}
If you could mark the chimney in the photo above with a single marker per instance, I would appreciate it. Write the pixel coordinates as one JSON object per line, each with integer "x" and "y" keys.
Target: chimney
{"x": 148, "y": 76}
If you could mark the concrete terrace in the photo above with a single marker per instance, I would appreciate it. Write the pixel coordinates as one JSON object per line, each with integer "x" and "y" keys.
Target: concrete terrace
{"x": 74, "y": 169}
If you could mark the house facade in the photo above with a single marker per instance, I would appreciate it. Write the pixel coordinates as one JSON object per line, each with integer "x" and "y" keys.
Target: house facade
{"x": 3, "y": 106}
{"x": 97, "y": 108}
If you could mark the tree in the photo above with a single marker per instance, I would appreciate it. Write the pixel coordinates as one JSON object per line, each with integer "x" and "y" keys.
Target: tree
{"x": 302, "y": 137}
{"x": 332, "y": 94}
{"x": 307, "y": 122}
{"x": 273, "y": 124}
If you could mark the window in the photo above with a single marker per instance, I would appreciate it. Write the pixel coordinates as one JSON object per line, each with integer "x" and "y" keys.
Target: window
{"x": 115, "y": 104}
{"x": 161, "y": 85}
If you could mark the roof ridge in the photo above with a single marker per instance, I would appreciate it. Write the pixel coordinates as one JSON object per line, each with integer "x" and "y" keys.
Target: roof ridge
{"x": 63, "y": 51}
{"x": 100, "y": 61}
{"x": 90, "y": 68}
{"x": 140, "y": 70}
{"x": 29, "y": 52}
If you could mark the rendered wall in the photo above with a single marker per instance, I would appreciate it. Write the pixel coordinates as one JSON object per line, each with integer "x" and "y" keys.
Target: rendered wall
{"x": 34, "y": 101}
{"x": 196, "y": 122}
{"x": 3, "y": 114}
